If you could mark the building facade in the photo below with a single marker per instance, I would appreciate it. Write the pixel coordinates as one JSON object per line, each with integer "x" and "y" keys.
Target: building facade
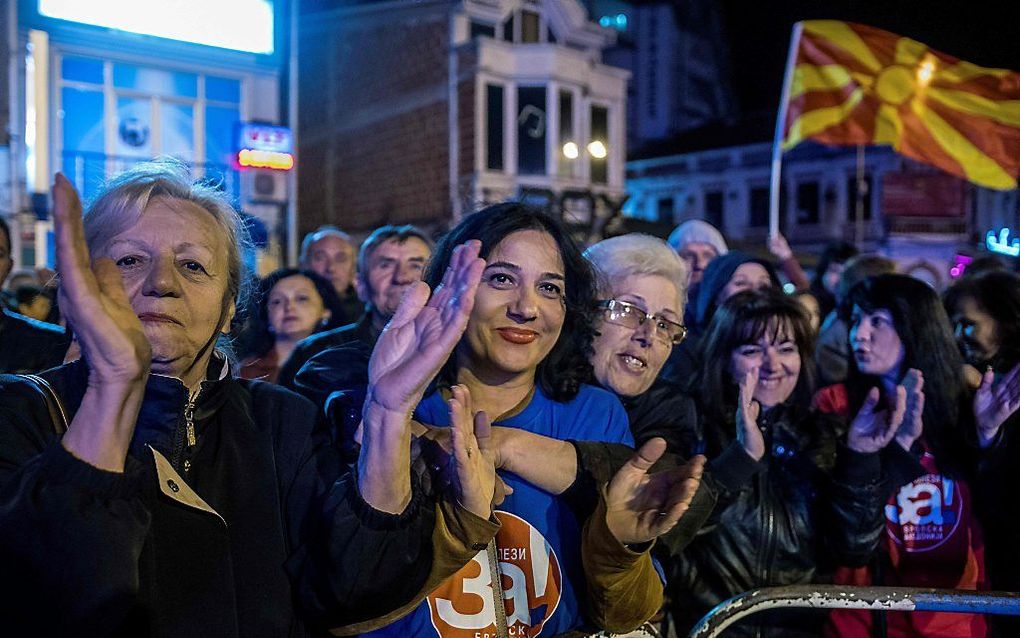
{"x": 678, "y": 57}
{"x": 884, "y": 202}
{"x": 96, "y": 89}
{"x": 422, "y": 112}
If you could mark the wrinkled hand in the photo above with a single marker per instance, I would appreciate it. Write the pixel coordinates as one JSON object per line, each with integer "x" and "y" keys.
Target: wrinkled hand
{"x": 913, "y": 425}
{"x": 995, "y": 402}
{"x": 93, "y": 300}
{"x": 748, "y": 433}
{"x": 641, "y": 506}
{"x": 779, "y": 247}
{"x": 872, "y": 430}
{"x": 423, "y": 332}
{"x": 474, "y": 474}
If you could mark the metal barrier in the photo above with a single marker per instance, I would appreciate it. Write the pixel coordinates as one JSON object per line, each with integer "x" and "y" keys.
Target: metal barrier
{"x": 865, "y": 598}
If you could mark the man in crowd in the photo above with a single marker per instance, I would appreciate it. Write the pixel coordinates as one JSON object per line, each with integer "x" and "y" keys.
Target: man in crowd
{"x": 26, "y": 345}
{"x": 329, "y": 252}
{"x": 698, "y": 243}
{"x": 391, "y": 258}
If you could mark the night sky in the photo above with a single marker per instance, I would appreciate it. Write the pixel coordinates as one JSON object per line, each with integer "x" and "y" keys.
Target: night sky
{"x": 978, "y": 31}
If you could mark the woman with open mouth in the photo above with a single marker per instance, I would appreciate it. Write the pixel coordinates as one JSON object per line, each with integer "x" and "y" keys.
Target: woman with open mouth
{"x": 924, "y": 531}
{"x": 775, "y": 461}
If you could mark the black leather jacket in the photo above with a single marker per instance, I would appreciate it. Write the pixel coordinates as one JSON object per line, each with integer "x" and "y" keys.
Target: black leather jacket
{"x": 775, "y": 519}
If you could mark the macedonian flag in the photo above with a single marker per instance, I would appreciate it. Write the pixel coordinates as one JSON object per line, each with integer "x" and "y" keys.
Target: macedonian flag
{"x": 854, "y": 84}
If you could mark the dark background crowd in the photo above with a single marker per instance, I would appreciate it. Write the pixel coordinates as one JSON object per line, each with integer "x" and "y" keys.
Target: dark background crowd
{"x": 858, "y": 425}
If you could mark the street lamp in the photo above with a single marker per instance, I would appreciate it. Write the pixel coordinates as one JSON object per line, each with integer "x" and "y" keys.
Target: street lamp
{"x": 570, "y": 150}
{"x": 597, "y": 149}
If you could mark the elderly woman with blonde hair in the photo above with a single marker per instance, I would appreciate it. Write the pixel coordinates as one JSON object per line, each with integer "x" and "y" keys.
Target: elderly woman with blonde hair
{"x": 144, "y": 491}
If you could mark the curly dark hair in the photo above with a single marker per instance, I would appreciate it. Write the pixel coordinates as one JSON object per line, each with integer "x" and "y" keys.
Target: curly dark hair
{"x": 928, "y": 345}
{"x": 562, "y": 372}
{"x": 743, "y": 319}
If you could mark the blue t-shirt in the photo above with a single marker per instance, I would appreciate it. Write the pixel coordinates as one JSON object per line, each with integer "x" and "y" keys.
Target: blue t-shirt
{"x": 538, "y": 548}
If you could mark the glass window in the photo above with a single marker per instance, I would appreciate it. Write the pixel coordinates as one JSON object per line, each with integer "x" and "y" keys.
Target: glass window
{"x": 219, "y": 134}
{"x": 222, "y": 89}
{"x": 598, "y": 147}
{"x": 82, "y": 70}
{"x": 494, "y": 127}
{"x": 714, "y": 208}
{"x": 568, "y": 151}
{"x": 178, "y": 131}
{"x": 529, "y": 26}
{"x": 760, "y": 206}
{"x": 479, "y": 29}
{"x": 83, "y": 160}
{"x": 134, "y": 127}
{"x": 531, "y": 127}
{"x": 851, "y": 198}
{"x": 155, "y": 81}
{"x": 508, "y": 29}
{"x": 808, "y": 203}
{"x": 664, "y": 212}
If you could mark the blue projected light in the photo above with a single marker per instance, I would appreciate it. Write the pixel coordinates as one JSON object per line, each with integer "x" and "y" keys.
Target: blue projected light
{"x": 618, "y": 22}
{"x": 240, "y": 25}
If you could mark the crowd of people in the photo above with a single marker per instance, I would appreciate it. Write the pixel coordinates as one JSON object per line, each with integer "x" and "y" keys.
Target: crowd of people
{"x": 493, "y": 432}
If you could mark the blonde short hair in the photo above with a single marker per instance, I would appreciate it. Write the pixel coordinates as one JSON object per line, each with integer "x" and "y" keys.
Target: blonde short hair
{"x": 125, "y": 197}
{"x": 638, "y": 254}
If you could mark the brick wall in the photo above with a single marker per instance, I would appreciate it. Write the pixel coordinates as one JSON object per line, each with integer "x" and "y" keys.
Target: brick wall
{"x": 373, "y": 118}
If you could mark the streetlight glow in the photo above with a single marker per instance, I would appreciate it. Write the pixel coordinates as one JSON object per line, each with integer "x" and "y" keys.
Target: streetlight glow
{"x": 570, "y": 150}
{"x": 597, "y": 149}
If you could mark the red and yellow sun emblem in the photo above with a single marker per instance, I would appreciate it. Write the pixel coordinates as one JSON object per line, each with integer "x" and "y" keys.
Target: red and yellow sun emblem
{"x": 854, "y": 84}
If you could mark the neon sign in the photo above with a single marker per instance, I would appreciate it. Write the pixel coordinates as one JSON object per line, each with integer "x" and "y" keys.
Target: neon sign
{"x": 962, "y": 261}
{"x": 1001, "y": 244}
{"x": 264, "y": 146}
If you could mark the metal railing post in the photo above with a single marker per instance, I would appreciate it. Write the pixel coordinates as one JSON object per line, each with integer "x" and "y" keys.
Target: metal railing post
{"x": 906, "y": 599}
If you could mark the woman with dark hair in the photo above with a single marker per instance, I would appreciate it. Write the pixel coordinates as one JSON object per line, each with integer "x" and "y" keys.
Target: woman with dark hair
{"x": 523, "y": 361}
{"x": 900, "y": 337}
{"x": 985, "y": 312}
{"x": 292, "y": 304}
{"x": 775, "y": 461}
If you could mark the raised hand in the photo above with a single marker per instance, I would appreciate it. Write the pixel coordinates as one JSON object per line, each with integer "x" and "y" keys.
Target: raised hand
{"x": 473, "y": 475}
{"x": 995, "y": 402}
{"x": 748, "y": 433}
{"x": 872, "y": 430}
{"x": 410, "y": 351}
{"x": 92, "y": 298}
{"x": 779, "y": 247}
{"x": 912, "y": 426}
{"x": 423, "y": 332}
{"x": 642, "y": 506}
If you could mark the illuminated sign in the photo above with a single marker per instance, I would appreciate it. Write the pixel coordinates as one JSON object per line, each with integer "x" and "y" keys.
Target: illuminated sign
{"x": 1000, "y": 243}
{"x": 960, "y": 264}
{"x": 239, "y": 25}
{"x": 264, "y": 146}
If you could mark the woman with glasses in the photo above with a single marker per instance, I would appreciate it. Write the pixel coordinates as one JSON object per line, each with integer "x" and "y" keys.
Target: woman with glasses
{"x": 642, "y": 290}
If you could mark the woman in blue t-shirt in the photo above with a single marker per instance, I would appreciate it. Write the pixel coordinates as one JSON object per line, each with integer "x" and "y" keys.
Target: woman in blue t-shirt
{"x": 522, "y": 361}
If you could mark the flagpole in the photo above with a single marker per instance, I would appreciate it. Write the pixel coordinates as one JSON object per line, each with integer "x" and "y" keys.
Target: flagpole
{"x": 777, "y": 141}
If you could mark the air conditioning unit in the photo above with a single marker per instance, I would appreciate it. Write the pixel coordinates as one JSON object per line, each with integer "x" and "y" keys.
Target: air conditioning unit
{"x": 266, "y": 186}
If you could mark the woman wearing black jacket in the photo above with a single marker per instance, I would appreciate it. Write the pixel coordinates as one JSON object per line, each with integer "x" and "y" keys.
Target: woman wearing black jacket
{"x": 183, "y": 502}
{"x": 776, "y": 460}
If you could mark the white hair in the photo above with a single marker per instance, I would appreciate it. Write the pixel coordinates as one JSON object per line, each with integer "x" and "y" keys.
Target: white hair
{"x": 638, "y": 254}
{"x": 125, "y": 197}
{"x": 697, "y": 230}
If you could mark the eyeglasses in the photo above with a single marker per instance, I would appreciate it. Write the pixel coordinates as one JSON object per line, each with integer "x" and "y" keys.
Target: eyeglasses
{"x": 630, "y": 316}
